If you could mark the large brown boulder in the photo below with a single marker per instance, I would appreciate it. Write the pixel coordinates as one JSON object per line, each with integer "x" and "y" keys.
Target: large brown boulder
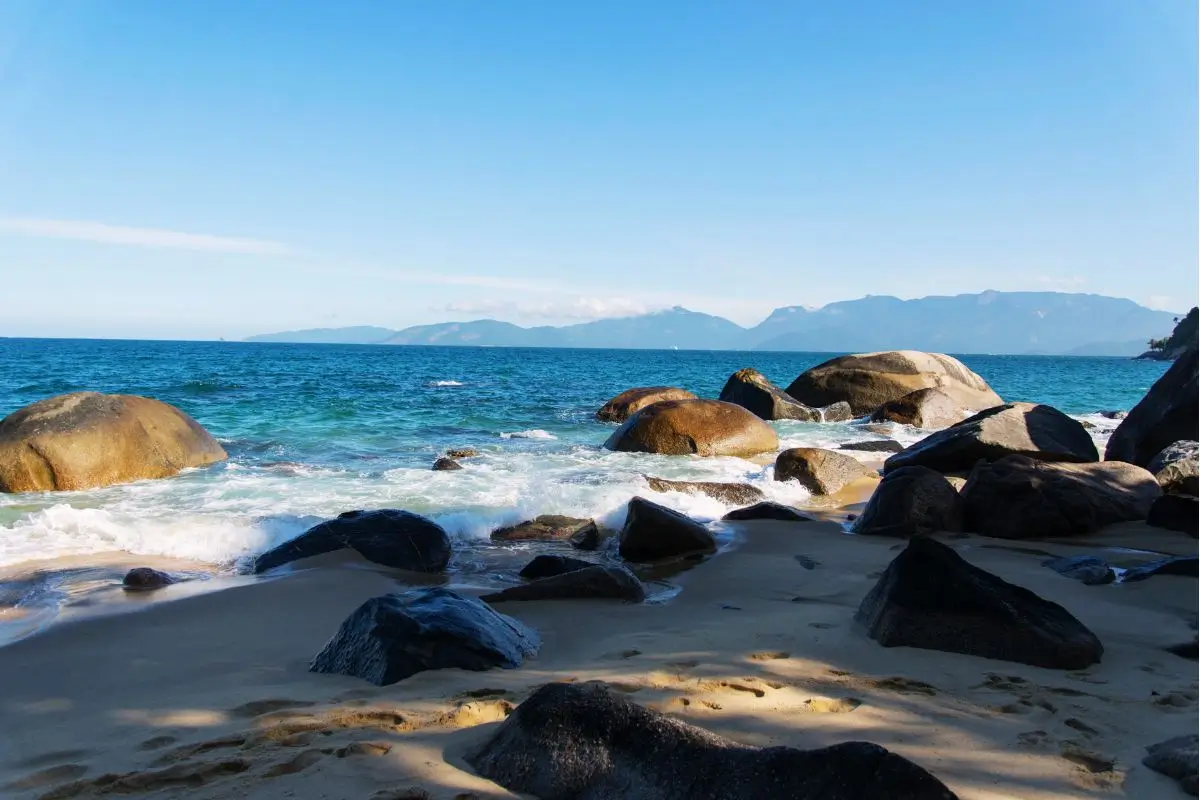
{"x": 1038, "y": 431}
{"x": 911, "y": 501}
{"x": 924, "y": 408}
{"x": 1022, "y": 498}
{"x": 819, "y": 471}
{"x": 694, "y": 427}
{"x": 631, "y": 401}
{"x": 1177, "y": 468}
{"x": 87, "y": 440}
{"x": 546, "y": 528}
{"x": 731, "y": 493}
{"x": 868, "y": 380}
{"x": 1168, "y": 413}
{"x": 751, "y": 390}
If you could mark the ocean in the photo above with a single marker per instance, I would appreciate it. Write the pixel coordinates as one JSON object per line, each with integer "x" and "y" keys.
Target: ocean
{"x": 314, "y": 430}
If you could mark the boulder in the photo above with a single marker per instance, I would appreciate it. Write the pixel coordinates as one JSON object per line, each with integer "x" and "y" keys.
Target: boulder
{"x": 751, "y": 390}
{"x": 836, "y": 412}
{"x": 1022, "y": 498}
{"x": 654, "y": 532}
{"x": 546, "y": 566}
{"x": 930, "y": 597}
{"x": 819, "y": 471}
{"x": 1189, "y": 650}
{"x": 144, "y": 579}
{"x": 868, "y": 380}
{"x": 444, "y": 464}
{"x": 389, "y": 638}
{"x": 388, "y": 536}
{"x": 1183, "y": 566}
{"x": 1177, "y": 758}
{"x": 1175, "y": 512}
{"x": 1177, "y": 468}
{"x": 694, "y": 427}
{"x": 1113, "y": 414}
{"x": 911, "y": 501}
{"x": 462, "y": 452}
{"x": 1170, "y": 412}
{"x": 583, "y": 740}
{"x": 546, "y": 528}
{"x": 593, "y": 581}
{"x": 731, "y": 493}
{"x": 1027, "y": 429}
{"x": 591, "y": 538}
{"x": 1088, "y": 570}
{"x": 924, "y": 408}
{"x": 87, "y": 440}
{"x": 766, "y": 510}
{"x": 873, "y": 446}
{"x": 631, "y": 401}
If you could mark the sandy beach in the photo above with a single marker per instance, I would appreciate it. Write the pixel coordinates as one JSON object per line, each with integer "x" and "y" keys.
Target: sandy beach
{"x": 208, "y": 695}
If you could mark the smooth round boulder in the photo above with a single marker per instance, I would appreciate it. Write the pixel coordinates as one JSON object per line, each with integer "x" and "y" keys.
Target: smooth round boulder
{"x": 388, "y": 536}
{"x": 910, "y": 502}
{"x": 631, "y": 401}
{"x": 653, "y": 532}
{"x": 925, "y": 408}
{"x": 445, "y": 464}
{"x": 868, "y": 380}
{"x": 873, "y": 446}
{"x": 694, "y": 427}
{"x": 1170, "y": 412}
{"x": 87, "y": 440}
{"x": 547, "y": 566}
{"x": 1177, "y": 468}
{"x": 751, "y": 390}
{"x": 766, "y": 510}
{"x": 145, "y": 579}
{"x": 593, "y": 582}
{"x": 819, "y": 471}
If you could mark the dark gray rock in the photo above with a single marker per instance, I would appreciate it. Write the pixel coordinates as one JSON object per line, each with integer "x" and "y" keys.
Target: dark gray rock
{"x": 930, "y": 597}
{"x": 1175, "y": 512}
{"x": 1184, "y": 566}
{"x": 909, "y": 502}
{"x": 594, "y": 581}
{"x": 446, "y": 465}
{"x": 1177, "y": 468}
{"x": 545, "y": 566}
{"x": 1022, "y": 498}
{"x": 389, "y": 638}
{"x": 1177, "y": 758}
{"x": 546, "y": 528}
{"x": 145, "y": 579}
{"x": 767, "y": 510}
{"x": 390, "y": 537}
{"x": 1089, "y": 570}
{"x": 586, "y": 742}
{"x": 653, "y": 532}
{"x": 751, "y": 390}
{"x": 1170, "y": 412}
{"x": 820, "y": 471}
{"x": 591, "y": 538}
{"x": 732, "y": 493}
{"x": 924, "y": 408}
{"x": 874, "y": 446}
{"x": 1037, "y": 431}
{"x": 1117, "y": 414}
{"x": 1189, "y": 650}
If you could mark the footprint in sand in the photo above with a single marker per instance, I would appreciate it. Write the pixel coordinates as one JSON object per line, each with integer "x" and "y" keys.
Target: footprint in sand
{"x": 1180, "y": 698}
{"x": 899, "y": 684}
{"x": 826, "y": 705}
{"x": 192, "y": 776}
{"x": 192, "y": 750}
{"x": 46, "y": 777}
{"x": 479, "y": 712}
{"x": 298, "y": 763}
{"x": 259, "y": 707}
{"x": 481, "y": 694}
{"x": 55, "y": 757}
{"x": 157, "y": 742}
{"x": 769, "y": 655}
{"x": 374, "y": 749}
{"x": 822, "y": 626}
{"x": 1081, "y": 726}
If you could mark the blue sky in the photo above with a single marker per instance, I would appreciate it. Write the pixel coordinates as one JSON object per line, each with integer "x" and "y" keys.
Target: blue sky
{"x": 229, "y": 167}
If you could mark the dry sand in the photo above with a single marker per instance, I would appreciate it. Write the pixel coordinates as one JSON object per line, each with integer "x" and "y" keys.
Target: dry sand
{"x": 208, "y": 696}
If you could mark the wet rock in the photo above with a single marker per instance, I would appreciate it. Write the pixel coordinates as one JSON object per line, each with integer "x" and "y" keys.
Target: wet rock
{"x": 546, "y": 566}
{"x": 930, "y": 597}
{"x": 1189, "y": 650}
{"x": 1036, "y": 431}
{"x": 1185, "y": 566}
{"x": 731, "y": 493}
{"x": 583, "y": 740}
{"x": 462, "y": 452}
{"x": 391, "y": 637}
{"x": 873, "y": 446}
{"x": 1175, "y": 512}
{"x": 631, "y": 401}
{"x": 546, "y": 528}
{"x": 1113, "y": 414}
{"x": 1170, "y": 412}
{"x": 87, "y": 440}
{"x": 1177, "y": 758}
{"x": 767, "y": 510}
{"x": 653, "y": 532}
{"x": 1089, "y": 570}
{"x": 144, "y": 579}
{"x": 1177, "y": 468}
{"x": 924, "y": 408}
{"x": 594, "y": 581}
{"x": 446, "y": 465}
{"x": 694, "y": 427}
{"x": 868, "y": 380}
{"x": 1021, "y": 498}
{"x": 836, "y": 412}
{"x": 819, "y": 471}
{"x": 590, "y": 538}
{"x": 751, "y": 390}
{"x": 391, "y": 537}
{"x": 909, "y": 502}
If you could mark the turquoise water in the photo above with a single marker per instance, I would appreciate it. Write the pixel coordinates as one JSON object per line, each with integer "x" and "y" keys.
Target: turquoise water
{"x": 313, "y": 430}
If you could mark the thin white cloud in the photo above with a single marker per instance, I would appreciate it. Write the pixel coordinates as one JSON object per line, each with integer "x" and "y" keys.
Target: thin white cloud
{"x": 1062, "y": 282}
{"x": 577, "y": 308}
{"x": 1161, "y": 302}
{"x": 137, "y": 237}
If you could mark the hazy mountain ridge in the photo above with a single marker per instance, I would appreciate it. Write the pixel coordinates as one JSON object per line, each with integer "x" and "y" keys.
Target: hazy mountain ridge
{"x": 1051, "y": 323}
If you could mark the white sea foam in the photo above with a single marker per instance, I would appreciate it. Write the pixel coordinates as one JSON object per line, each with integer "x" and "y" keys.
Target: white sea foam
{"x": 445, "y": 383}
{"x": 536, "y": 433}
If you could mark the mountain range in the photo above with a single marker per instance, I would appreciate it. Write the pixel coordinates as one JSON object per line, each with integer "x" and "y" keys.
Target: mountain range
{"x": 1019, "y": 323}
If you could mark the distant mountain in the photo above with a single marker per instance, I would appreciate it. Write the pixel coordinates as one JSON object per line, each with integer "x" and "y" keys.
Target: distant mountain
{"x": 1051, "y": 323}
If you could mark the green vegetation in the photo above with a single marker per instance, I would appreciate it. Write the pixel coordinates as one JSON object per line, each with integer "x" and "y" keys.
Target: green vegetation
{"x": 1183, "y": 337}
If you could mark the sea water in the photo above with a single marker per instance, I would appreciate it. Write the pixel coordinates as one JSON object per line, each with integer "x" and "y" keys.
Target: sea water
{"x": 315, "y": 430}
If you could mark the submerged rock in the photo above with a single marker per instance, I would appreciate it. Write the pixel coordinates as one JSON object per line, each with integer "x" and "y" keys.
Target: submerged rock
{"x": 868, "y": 380}
{"x": 924, "y": 408}
{"x": 594, "y": 581}
{"x": 1177, "y": 758}
{"x": 586, "y": 741}
{"x": 462, "y": 452}
{"x": 911, "y": 501}
{"x": 694, "y": 427}
{"x": 1175, "y": 512}
{"x": 767, "y": 510}
{"x": 545, "y": 566}
{"x": 1020, "y": 498}
{"x": 1185, "y": 566}
{"x": 1028, "y": 429}
{"x": 653, "y": 532}
{"x": 388, "y": 536}
{"x": 389, "y": 638}
{"x": 819, "y": 471}
{"x": 631, "y": 401}
{"x": 1089, "y": 570}
{"x": 446, "y": 465}
{"x": 87, "y": 440}
{"x": 1177, "y": 468}
{"x": 546, "y": 528}
{"x": 873, "y": 446}
{"x": 751, "y": 390}
{"x": 930, "y": 597}
{"x": 144, "y": 579}
{"x": 1170, "y": 412}
{"x": 723, "y": 492}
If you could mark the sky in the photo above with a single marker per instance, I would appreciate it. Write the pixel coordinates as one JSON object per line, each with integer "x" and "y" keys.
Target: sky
{"x": 220, "y": 168}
